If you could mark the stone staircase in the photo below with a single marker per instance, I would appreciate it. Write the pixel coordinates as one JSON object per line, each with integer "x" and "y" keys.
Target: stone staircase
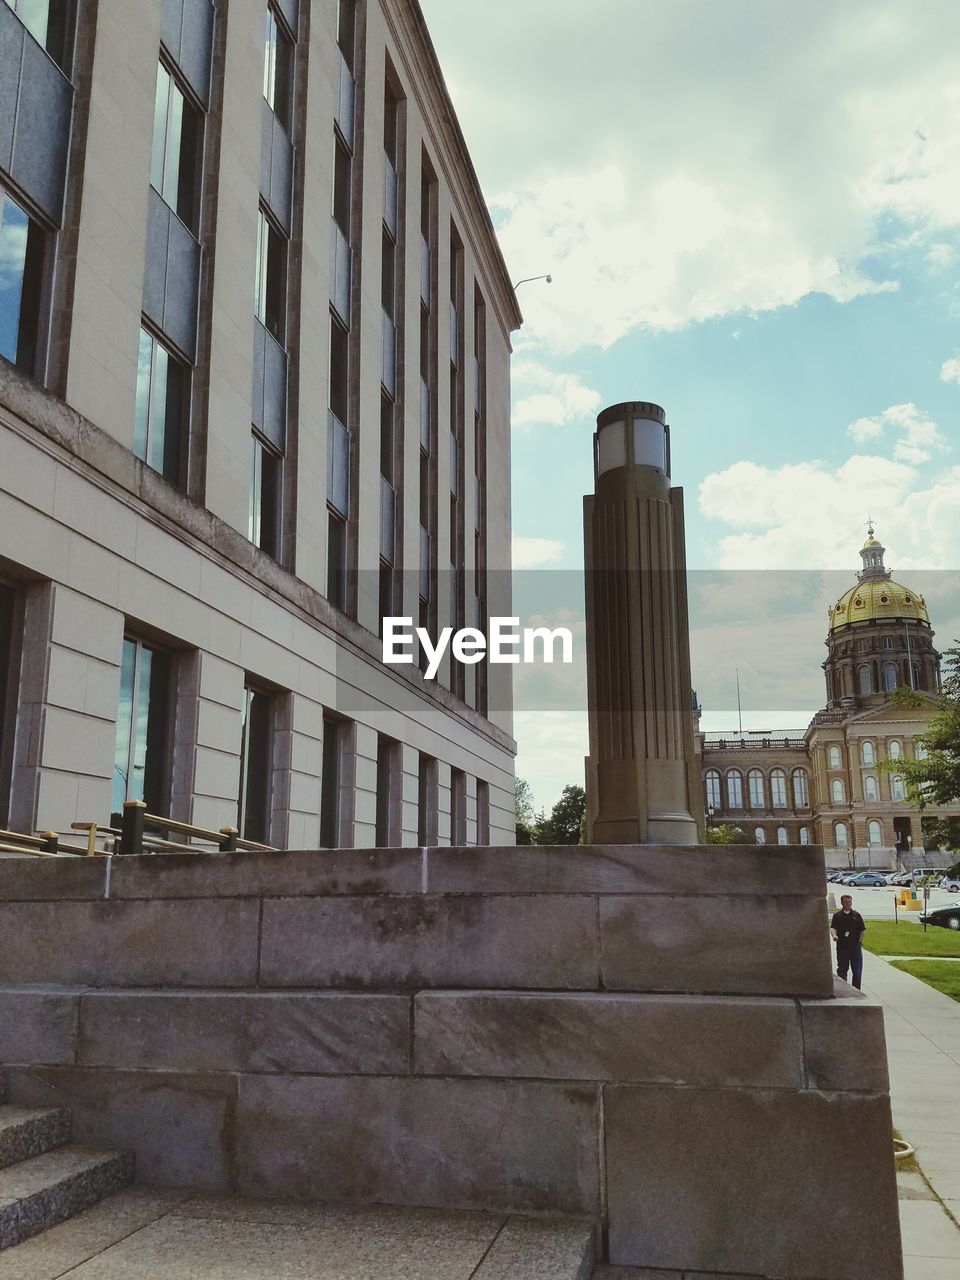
{"x": 44, "y": 1178}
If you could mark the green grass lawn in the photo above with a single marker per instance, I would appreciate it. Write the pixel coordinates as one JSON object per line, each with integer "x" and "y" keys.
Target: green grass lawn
{"x": 889, "y": 938}
{"x": 941, "y": 975}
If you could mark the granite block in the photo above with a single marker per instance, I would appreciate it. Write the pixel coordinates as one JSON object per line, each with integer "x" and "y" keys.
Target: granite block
{"x": 130, "y": 943}
{"x": 48, "y": 879}
{"x": 844, "y": 1046}
{"x": 737, "y": 945}
{"x": 604, "y": 1036}
{"x": 43, "y": 1191}
{"x": 325, "y": 1032}
{"x": 179, "y": 1126}
{"x": 624, "y": 869}
{"x": 430, "y": 941}
{"x": 709, "y": 1180}
{"x": 38, "y": 1026}
{"x": 287, "y": 873}
{"x": 512, "y": 1146}
{"x": 530, "y": 1249}
{"x": 29, "y": 1131}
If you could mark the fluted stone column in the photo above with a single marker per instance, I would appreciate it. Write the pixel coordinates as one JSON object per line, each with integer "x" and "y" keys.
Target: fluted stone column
{"x": 642, "y": 781}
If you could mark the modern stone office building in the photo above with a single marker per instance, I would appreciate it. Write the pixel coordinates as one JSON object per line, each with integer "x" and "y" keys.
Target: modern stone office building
{"x": 255, "y": 330}
{"x": 822, "y": 784}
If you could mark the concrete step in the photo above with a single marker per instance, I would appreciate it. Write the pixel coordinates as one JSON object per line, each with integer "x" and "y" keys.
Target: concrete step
{"x": 46, "y": 1189}
{"x": 29, "y": 1131}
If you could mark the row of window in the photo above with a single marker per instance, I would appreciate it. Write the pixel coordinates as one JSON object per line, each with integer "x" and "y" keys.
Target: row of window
{"x": 145, "y": 743}
{"x": 868, "y": 753}
{"x": 871, "y": 789}
{"x": 841, "y": 834}
{"x": 756, "y": 789}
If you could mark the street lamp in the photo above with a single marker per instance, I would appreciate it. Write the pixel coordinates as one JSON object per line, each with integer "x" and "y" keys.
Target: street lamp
{"x": 529, "y": 279}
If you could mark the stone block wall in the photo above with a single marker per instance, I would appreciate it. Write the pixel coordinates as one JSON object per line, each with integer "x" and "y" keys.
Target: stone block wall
{"x": 547, "y": 1031}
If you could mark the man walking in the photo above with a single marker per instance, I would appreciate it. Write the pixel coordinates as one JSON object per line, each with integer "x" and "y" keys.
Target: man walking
{"x": 847, "y": 929}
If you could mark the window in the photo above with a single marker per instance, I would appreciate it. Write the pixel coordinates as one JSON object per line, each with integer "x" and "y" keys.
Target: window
{"x": 781, "y": 835}
{"x": 263, "y": 522}
{"x": 778, "y": 789}
{"x": 270, "y": 295}
{"x": 176, "y": 161}
{"x": 458, "y": 807}
{"x": 895, "y": 750}
{"x": 874, "y": 833}
{"x": 887, "y": 642}
{"x": 426, "y": 801}
{"x": 22, "y": 253}
{"x": 840, "y": 835}
{"x": 341, "y": 187}
{"x": 755, "y": 788}
{"x": 835, "y": 760}
{"x": 162, "y": 382}
{"x": 890, "y": 677}
{"x": 256, "y": 765}
{"x": 336, "y": 561}
{"x": 713, "y": 789}
{"x": 801, "y": 790}
{"x": 759, "y": 836}
{"x": 838, "y": 792}
{"x": 483, "y": 812}
{"x": 870, "y": 787}
{"x": 331, "y": 765}
{"x": 897, "y": 788}
{"x": 921, "y": 752}
{"x": 143, "y": 720}
{"x": 278, "y": 68}
{"x": 346, "y": 29}
{"x": 735, "y": 789}
{"x": 388, "y": 768}
{"x": 868, "y": 754}
{"x": 46, "y": 20}
{"x": 804, "y": 835}
{"x": 865, "y": 678}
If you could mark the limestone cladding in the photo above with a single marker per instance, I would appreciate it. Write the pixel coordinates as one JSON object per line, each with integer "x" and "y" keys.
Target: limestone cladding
{"x": 100, "y": 550}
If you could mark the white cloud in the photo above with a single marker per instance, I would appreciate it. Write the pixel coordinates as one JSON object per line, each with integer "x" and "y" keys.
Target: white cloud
{"x": 950, "y": 370}
{"x": 918, "y": 436}
{"x": 813, "y": 516}
{"x": 543, "y": 397}
{"x": 534, "y": 553}
{"x": 706, "y": 185}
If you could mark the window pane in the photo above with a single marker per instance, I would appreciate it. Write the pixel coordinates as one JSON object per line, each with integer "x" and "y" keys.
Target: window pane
{"x": 269, "y": 56}
{"x": 256, "y": 480}
{"x": 14, "y": 231}
{"x": 283, "y": 82}
{"x": 256, "y": 766}
{"x": 158, "y": 407}
{"x": 275, "y": 283}
{"x": 336, "y": 561}
{"x": 34, "y": 14}
{"x": 144, "y": 375}
{"x": 160, "y": 109}
{"x": 124, "y": 721}
{"x": 330, "y": 785}
{"x": 140, "y": 725}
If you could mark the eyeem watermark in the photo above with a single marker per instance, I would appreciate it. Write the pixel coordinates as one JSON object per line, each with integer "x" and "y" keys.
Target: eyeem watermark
{"x": 506, "y": 641}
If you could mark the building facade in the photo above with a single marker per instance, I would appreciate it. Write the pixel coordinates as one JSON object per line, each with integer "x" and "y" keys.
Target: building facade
{"x": 254, "y": 395}
{"x": 823, "y": 785}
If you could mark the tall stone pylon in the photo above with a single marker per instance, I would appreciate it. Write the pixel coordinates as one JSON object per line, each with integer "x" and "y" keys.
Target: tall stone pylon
{"x": 643, "y": 784}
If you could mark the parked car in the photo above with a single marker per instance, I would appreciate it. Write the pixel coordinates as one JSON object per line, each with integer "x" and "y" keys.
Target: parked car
{"x": 946, "y": 917}
{"x": 900, "y": 878}
{"x": 926, "y": 873}
{"x": 866, "y": 880}
{"x": 836, "y": 876}
{"x": 951, "y": 884}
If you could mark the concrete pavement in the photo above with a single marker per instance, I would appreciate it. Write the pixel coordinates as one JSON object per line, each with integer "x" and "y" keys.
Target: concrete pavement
{"x": 923, "y": 1049}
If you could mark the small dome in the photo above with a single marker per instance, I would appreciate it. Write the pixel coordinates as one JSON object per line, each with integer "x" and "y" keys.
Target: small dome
{"x": 871, "y": 542}
{"x": 878, "y": 600}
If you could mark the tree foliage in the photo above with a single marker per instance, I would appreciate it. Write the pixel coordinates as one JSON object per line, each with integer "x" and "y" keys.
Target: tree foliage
{"x": 525, "y": 817}
{"x": 936, "y": 780}
{"x": 564, "y": 824}
{"x": 726, "y": 833}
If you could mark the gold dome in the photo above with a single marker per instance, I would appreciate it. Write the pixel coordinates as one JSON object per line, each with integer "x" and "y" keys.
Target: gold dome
{"x": 878, "y": 600}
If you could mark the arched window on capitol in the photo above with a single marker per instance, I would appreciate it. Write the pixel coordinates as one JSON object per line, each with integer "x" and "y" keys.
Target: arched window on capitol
{"x": 778, "y": 789}
{"x": 874, "y": 833}
{"x": 804, "y": 835}
{"x": 898, "y": 790}
{"x": 735, "y": 789}
{"x": 868, "y": 753}
{"x": 895, "y": 750}
{"x": 801, "y": 789}
{"x": 870, "y": 787}
{"x": 840, "y": 834}
{"x": 838, "y": 792}
{"x": 835, "y": 760}
{"x": 759, "y": 836}
{"x": 755, "y": 785}
{"x": 865, "y": 679}
{"x": 713, "y": 789}
{"x": 781, "y": 835}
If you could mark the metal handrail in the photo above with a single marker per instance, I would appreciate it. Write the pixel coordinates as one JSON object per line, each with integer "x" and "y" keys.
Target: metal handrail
{"x": 136, "y": 820}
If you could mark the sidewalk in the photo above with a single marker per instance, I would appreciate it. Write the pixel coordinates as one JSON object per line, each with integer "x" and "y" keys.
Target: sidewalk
{"x": 923, "y": 1049}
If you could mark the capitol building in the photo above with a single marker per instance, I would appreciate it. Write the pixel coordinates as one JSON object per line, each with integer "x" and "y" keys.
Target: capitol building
{"x": 824, "y": 785}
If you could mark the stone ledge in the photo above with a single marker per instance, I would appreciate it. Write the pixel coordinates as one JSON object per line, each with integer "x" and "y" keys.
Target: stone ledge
{"x": 843, "y": 1045}
{"x": 655, "y": 1039}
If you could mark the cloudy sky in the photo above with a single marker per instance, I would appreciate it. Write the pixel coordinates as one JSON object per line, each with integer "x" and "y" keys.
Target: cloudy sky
{"x": 751, "y": 211}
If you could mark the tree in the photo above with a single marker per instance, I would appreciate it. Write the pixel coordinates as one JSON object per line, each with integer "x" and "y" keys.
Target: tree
{"x": 725, "y": 833}
{"x": 523, "y": 804}
{"x": 566, "y": 818}
{"x": 936, "y": 780}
